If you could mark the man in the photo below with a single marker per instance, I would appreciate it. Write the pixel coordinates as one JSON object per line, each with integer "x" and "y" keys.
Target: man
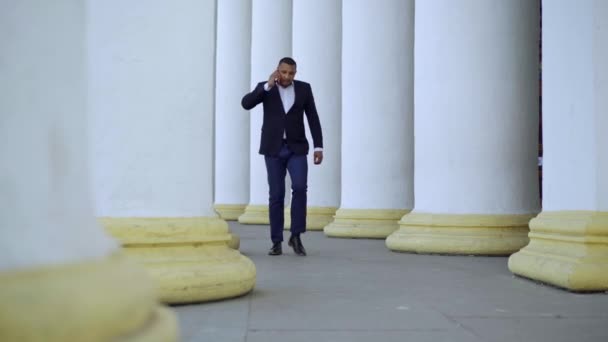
{"x": 285, "y": 147}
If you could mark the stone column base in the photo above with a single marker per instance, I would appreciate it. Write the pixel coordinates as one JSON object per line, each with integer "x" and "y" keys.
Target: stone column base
{"x": 234, "y": 242}
{"x": 568, "y": 249}
{"x": 364, "y": 223}
{"x": 188, "y": 257}
{"x": 468, "y": 234}
{"x": 230, "y": 212}
{"x": 255, "y": 214}
{"x": 105, "y": 300}
{"x": 316, "y": 217}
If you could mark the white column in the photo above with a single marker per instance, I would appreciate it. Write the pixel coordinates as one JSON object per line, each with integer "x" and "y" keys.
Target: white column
{"x": 377, "y": 127}
{"x": 232, "y": 80}
{"x": 58, "y": 269}
{"x": 45, "y": 195}
{"x": 317, "y": 50}
{"x": 152, "y": 104}
{"x": 270, "y": 41}
{"x": 568, "y": 246}
{"x": 476, "y": 127}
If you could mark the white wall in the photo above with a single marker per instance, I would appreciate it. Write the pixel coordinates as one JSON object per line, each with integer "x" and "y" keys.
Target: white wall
{"x": 151, "y": 100}
{"x": 46, "y": 215}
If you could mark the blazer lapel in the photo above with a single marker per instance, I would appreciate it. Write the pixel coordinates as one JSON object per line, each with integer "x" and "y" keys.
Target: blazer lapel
{"x": 295, "y": 96}
{"x": 275, "y": 93}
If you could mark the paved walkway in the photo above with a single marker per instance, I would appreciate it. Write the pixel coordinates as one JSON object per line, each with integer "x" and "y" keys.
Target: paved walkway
{"x": 357, "y": 290}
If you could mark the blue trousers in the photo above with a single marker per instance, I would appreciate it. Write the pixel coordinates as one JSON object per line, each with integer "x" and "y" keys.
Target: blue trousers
{"x": 276, "y": 167}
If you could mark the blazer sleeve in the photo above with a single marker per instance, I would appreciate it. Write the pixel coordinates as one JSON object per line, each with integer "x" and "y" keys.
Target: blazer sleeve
{"x": 313, "y": 120}
{"x": 255, "y": 97}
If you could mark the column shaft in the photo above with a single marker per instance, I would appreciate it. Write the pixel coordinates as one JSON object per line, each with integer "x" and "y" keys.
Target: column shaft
{"x": 151, "y": 100}
{"x": 61, "y": 278}
{"x": 568, "y": 240}
{"x": 317, "y": 50}
{"x": 271, "y": 35}
{"x": 476, "y": 128}
{"x": 377, "y": 127}
{"x": 232, "y": 80}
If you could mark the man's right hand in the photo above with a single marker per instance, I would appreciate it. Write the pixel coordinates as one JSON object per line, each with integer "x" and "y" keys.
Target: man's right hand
{"x": 274, "y": 76}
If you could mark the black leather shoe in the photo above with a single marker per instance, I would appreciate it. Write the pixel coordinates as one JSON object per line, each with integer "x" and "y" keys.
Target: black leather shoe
{"x": 297, "y": 246}
{"x": 276, "y": 249}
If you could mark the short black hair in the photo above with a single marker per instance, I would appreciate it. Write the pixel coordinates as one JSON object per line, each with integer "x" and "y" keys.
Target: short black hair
{"x": 287, "y": 60}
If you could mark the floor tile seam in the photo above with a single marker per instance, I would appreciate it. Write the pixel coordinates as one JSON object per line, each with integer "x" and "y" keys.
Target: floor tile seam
{"x": 249, "y": 305}
{"x": 459, "y": 324}
{"x": 349, "y": 330}
{"x": 560, "y": 316}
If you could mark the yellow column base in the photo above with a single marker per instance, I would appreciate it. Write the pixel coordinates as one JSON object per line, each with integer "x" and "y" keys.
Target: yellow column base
{"x": 364, "y": 223}
{"x": 255, "y": 214}
{"x": 230, "y": 212}
{"x": 188, "y": 257}
{"x": 234, "y": 242}
{"x": 568, "y": 249}
{"x": 106, "y": 300}
{"x": 468, "y": 234}
{"x": 316, "y": 217}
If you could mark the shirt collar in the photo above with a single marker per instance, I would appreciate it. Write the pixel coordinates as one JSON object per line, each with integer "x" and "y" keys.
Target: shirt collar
{"x": 286, "y": 88}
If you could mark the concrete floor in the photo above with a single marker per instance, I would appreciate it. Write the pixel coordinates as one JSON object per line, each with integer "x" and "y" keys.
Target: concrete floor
{"x": 349, "y": 290}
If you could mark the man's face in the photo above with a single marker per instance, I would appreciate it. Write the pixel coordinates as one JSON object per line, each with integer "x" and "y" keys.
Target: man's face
{"x": 287, "y": 73}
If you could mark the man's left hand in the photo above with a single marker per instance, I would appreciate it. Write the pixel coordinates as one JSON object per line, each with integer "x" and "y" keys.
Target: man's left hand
{"x": 318, "y": 156}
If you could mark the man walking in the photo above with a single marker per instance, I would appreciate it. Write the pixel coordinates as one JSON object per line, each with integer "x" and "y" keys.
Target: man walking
{"x": 285, "y": 147}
